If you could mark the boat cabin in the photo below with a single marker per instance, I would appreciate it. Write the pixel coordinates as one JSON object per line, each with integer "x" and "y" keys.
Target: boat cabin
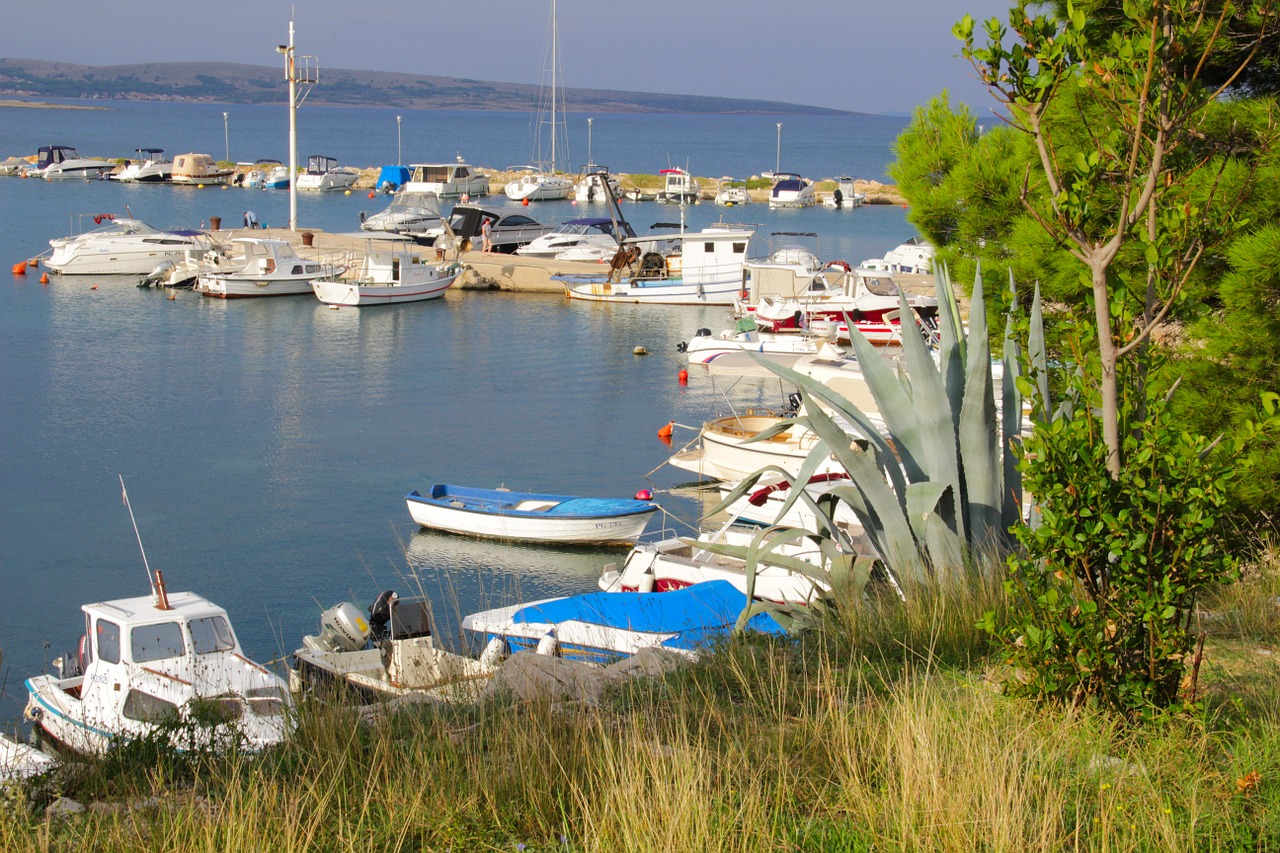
{"x": 319, "y": 164}
{"x": 698, "y": 257}
{"x": 263, "y": 256}
{"x": 48, "y": 155}
{"x": 447, "y": 180}
{"x": 142, "y": 661}
{"x": 196, "y": 169}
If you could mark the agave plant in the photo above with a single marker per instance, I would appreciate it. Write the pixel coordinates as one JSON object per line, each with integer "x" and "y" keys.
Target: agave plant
{"x": 942, "y": 478}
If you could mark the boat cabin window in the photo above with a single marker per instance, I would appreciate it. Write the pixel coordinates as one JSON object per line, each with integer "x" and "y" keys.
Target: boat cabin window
{"x": 461, "y": 172}
{"x": 739, "y": 248}
{"x": 146, "y": 708}
{"x": 154, "y": 642}
{"x": 106, "y": 638}
{"x": 297, "y": 269}
{"x": 518, "y": 220}
{"x": 211, "y": 634}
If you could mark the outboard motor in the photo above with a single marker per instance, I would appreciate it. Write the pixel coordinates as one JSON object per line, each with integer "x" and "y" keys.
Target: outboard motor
{"x": 793, "y": 403}
{"x": 161, "y": 271}
{"x": 342, "y": 629}
{"x": 380, "y": 614}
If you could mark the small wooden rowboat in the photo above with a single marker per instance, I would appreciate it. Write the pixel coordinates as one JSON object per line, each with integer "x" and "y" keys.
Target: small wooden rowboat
{"x": 530, "y": 517}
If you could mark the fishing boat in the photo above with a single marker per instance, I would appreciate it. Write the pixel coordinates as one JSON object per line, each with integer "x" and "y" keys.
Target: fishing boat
{"x": 262, "y": 267}
{"x": 678, "y": 187}
{"x": 595, "y": 183}
{"x": 120, "y": 247}
{"x": 687, "y": 268}
{"x": 391, "y": 653}
{"x": 410, "y": 212}
{"x": 144, "y": 662}
{"x": 543, "y": 182}
{"x": 704, "y": 348}
{"x": 390, "y": 272}
{"x": 732, "y": 192}
{"x": 601, "y": 627}
{"x": 845, "y": 196}
{"x": 531, "y": 517}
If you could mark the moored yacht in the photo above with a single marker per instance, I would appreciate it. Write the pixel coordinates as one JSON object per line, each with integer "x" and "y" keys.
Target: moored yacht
{"x": 324, "y": 174}
{"x": 265, "y": 267}
{"x": 446, "y": 180}
{"x": 121, "y": 247}
{"x": 54, "y": 162}
{"x": 150, "y": 167}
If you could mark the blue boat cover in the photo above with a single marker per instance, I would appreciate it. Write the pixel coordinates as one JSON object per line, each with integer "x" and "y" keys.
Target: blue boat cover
{"x": 396, "y": 175}
{"x": 697, "y": 613}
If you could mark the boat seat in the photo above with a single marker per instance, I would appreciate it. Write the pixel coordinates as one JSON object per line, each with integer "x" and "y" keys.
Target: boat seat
{"x": 536, "y": 506}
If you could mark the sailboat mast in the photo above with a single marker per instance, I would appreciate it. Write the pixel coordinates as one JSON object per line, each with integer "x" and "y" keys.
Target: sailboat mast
{"x": 555, "y": 67}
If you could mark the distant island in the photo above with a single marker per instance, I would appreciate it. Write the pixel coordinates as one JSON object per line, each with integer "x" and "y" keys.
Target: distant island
{"x": 232, "y": 83}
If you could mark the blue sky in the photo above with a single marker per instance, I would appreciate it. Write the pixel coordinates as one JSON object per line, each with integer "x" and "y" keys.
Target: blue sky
{"x": 879, "y": 57}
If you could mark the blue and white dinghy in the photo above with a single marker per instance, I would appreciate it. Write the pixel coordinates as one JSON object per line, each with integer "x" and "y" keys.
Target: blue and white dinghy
{"x": 600, "y": 627}
{"x": 531, "y": 517}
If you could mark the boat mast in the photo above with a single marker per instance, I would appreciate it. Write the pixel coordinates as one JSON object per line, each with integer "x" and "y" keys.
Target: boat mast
{"x": 555, "y": 69}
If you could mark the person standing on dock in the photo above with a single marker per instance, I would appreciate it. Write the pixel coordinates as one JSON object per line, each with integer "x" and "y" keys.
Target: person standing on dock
{"x": 250, "y": 219}
{"x": 486, "y": 236}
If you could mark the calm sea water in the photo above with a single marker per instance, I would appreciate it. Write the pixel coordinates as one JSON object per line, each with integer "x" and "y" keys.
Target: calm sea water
{"x": 267, "y": 445}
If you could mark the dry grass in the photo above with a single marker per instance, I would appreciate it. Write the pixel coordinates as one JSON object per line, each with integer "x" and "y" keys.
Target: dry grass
{"x": 881, "y": 732}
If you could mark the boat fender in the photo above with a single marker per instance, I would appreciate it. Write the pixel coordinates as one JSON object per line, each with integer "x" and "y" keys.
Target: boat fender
{"x": 33, "y": 711}
{"x": 841, "y": 265}
{"x": 549, "y": 645}
{"x": 646, "y": 582}
{"x": 363, "y": 216}
{"x": 494, "y": 652}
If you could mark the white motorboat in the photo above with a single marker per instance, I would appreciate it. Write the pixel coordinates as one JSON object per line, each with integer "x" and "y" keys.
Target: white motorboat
{"x": 151, "y": 167}
{"x": 601, "y": 627}
{"x": 446, "y": 180}
{"x": 325, "y": 175}
{"x": 728, "y": 448}
{"x": 688, "y": 268}
{"x": 678, "y": 187}
{"x": 732, "y": 192}
{"x": 587, "y": 239}
{"x": 673, "y": 563}
{"x": 545, "y": 183}
{"x": 121, "y": 247}
{"x": 276, "y": 178}
{"x": 262, "y": 267}
{"x": 390, "y": 272}
{"x": 791, "y": 190}
{"x": 144, "y": 661}
{"x": 55, "y": 162}
{"x": 531, "y": 516}
{"x": 791, "y": 269}
{"x": 913, "y": 256}
{"x": 392, "y": 653}
{"x": 845, "y": 196}
{"x": 596, "y": 184}
{"x": 19, "y": 761}
{"x": 704, "y": 347}
{"x": 410, "y": 212}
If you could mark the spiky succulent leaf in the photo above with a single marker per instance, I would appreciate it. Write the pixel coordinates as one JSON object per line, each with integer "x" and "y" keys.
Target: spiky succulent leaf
{"x": 980, "y": 433}
{"x": 1011, "y": 419}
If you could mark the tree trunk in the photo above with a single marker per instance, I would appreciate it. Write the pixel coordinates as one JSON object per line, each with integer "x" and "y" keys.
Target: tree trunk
{"x": 1107, "y": 356}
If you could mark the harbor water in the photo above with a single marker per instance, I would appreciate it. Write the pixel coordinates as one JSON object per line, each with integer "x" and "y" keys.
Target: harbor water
{"x": 267, "y": 445}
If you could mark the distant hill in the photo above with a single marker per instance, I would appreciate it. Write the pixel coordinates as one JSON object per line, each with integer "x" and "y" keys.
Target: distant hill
{"x": 227, "y": 82}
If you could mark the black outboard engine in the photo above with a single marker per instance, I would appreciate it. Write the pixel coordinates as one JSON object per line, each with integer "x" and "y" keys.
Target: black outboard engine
{"x": 793, "y": 403}
{"x": 380, "y": 615}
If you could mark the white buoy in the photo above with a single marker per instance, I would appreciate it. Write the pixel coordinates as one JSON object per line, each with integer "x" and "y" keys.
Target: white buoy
{"x": 639, "y": 351}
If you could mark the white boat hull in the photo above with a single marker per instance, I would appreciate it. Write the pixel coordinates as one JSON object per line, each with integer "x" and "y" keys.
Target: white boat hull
{"x": 544, "y": 189}
{"x": 358, "y": 294}
{"x": 114, "y": 261}
{"x": 656, "y": 291}
{"x": 566, "y": 531}
{"x": 236, "y": 287}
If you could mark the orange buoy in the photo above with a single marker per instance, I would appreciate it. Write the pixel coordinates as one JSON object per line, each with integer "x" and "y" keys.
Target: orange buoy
{"x": 95, "y": 287}
{"x": 683, "y": 376}
{"x": 525, "y": 202}
{"x": 34, "y": 262}
{"x": 665, "y": 432}
{"x": 371, "y": 193}
{"x": 20, "y": 268}
{"x": 44, "y": 278}
{"x": 173, "y": 294}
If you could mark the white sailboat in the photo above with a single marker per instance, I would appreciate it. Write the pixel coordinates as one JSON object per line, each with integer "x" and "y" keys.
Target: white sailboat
{"x": 543, "y": 183}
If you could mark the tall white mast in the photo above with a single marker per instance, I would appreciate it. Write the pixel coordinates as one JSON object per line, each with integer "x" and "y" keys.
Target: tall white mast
{"x": 555, "y": 69}
{"x": 306, "y": 72}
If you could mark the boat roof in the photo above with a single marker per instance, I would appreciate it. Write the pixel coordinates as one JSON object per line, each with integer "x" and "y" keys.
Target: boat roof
{"x": 149, "y": 150}
{"x": 142, "y": 610}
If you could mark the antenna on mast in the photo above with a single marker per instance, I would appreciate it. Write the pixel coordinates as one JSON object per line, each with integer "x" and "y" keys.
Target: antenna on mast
{"x": 155, "y": 581}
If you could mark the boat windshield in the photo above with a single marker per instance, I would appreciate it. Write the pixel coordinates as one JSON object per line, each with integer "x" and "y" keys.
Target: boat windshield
{"x": 211, "y": 634}
{"x": 416, "y": 202}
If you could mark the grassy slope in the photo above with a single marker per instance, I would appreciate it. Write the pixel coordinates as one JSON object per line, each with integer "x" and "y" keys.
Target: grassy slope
{"x": 886, "y": 730}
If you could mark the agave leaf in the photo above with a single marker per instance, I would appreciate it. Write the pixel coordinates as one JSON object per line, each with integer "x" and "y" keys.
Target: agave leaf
{"x": 747, "y": 484}
{"x": 1011, "y": 420}
{"x": 979, "y": 432}
{"x": 951, "y": 340}
{"x": 946, "y": 550}
{"x": 922, "y": 502}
